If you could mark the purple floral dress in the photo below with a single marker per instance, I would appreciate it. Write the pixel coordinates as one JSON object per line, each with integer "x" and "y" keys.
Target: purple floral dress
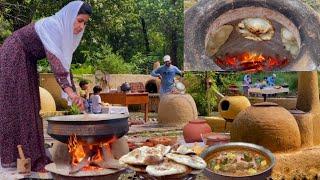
{"x": 20, "y": 122}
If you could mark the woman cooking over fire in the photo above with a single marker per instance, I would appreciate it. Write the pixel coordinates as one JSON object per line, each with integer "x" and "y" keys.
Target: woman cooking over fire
{"x": 55, "y": 37}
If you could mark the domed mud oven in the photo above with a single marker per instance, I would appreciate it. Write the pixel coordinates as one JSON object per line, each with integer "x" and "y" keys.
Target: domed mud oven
{"x": 267, "y": 124}
{"x": 251, "y": 35}
{"x": 278, "y": 129}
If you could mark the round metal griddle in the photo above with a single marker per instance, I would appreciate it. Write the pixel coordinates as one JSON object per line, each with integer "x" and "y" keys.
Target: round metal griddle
{"x": 91, "y": 128}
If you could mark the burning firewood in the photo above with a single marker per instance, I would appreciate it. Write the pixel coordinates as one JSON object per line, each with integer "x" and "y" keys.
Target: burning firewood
{"x": 85, "y": 162}
{"x": 108, "y": 162}
{"x": 91, "y": 156}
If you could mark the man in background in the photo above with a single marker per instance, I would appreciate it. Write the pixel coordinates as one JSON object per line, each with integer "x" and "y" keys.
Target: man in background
{"x": 166, "y": 73}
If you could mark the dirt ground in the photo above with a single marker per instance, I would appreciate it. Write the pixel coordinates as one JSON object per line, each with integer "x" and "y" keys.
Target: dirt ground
{"x": 302, "y": 164}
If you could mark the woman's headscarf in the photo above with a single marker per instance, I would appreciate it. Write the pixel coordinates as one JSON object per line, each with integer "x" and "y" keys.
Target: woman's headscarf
{"x": 56, "y": 33}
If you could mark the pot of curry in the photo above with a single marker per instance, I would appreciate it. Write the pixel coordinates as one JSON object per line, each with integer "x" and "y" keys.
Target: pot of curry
{"x": 238, "y": 160}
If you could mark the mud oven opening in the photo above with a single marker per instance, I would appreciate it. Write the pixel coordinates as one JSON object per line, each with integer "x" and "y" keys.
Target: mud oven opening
{"x": 251, "y": 35}
{"x": 151, "y": 86}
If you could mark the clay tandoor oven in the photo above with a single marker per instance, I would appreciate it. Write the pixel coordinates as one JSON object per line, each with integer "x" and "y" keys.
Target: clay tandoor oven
{"x": 251, "y": 35}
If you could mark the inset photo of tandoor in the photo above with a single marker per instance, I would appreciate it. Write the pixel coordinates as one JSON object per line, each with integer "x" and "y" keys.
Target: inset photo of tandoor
{"x": 251, "y": 36}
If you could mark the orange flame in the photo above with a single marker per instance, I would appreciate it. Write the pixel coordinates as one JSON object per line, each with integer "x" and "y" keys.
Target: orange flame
{"x": 78, "y": 150}
{"x": 250, "y": 62}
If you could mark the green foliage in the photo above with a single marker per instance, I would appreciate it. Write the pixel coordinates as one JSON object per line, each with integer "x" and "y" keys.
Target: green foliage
{"x": 117, "y": 24}
{"x": 82, "y": 68}
{"x": 224, "y": 80}
{"x": 196, "y": 87}
{"x": 289, "y": 78}
{"x": 108, "y": 62}
{"x": 144, "y": 64}
{"x": 5, "y": 28}
{"x": 44, "y": 66}
{"x": 74, "y": 110}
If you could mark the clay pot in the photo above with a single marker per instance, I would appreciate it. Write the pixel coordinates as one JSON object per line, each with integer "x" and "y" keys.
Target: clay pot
{"x": 193, "y": 130}
{"x": 230, "y": 106}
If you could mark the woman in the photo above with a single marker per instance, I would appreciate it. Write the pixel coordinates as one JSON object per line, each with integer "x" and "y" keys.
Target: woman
{"x": 56, "y": 38}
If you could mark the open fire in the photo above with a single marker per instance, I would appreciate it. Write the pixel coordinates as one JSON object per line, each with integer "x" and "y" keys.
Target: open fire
{"x": 251, "y": 62}
{"x": 89, "y": 157}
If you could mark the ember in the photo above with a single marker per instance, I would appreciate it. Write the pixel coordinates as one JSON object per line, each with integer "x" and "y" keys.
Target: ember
{"x": 251, "y": 62}
{"x": 89, "y": 157}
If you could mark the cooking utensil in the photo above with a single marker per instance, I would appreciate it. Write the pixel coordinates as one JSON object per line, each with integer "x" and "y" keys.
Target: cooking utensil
{"x": 91, "y": 128}
{"x": 23, "y": 164}
{"x": 238, "y": 145}
{"x": 180, "y": 86}
{"x": 215, "y": 138}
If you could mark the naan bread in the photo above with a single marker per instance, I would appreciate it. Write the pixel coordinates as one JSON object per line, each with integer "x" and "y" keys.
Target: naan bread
{"x": 257, "y": 29}
{"x": 137, "y": 168}
{"x": 166, "y": 168}
{"x": 163, "y": 149}
{"x": 145, "y": 155}
{"x": 182, "y": 149}
{"x": 195, "y": 162}
{"x": 217, "y": 38}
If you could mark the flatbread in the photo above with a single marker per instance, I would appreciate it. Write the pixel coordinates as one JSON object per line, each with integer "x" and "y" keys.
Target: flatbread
{"x": 195, "y": 162}
{"x": 182, "y": 149}
{"x": 138, "y": 168}
{"x": 145, "y": 155}
{"x": 167, "y": 167}
{"x": 217, "y": 38}
{"x": 163, "y": 149}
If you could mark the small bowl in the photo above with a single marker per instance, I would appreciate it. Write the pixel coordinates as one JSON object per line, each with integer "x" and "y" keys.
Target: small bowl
{"x": 215, "y": 138}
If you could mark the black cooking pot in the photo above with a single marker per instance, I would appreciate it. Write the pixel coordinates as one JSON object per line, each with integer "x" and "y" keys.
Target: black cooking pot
{"x": 91, "y": 128}
{"x": 125, "y": 87}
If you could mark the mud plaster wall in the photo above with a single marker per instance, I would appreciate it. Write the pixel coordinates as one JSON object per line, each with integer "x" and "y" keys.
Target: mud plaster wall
{"x": 48, "y": 81}
{"x": 305, "y": 124}
{"x": 308, "y": 99}
{"x": 287, "y": 103}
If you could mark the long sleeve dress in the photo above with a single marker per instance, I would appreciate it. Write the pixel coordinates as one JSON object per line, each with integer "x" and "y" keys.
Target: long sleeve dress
{"x": 20, "y": 122}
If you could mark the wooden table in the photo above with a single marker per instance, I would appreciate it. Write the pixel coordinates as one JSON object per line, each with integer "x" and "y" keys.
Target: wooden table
{"x": 127, "y": 99}
{"x": 268, "y": 90}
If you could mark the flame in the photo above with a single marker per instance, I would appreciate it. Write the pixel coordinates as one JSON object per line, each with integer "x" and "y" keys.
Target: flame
{"x": 251, "y": 62}
{"x": 78, "y": 150}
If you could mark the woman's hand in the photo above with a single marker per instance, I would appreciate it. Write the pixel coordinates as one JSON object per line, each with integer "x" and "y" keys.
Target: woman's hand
{"x": 77, "y": 100}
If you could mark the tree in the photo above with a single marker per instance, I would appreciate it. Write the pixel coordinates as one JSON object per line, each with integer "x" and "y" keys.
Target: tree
{"x": 140, "y": 31}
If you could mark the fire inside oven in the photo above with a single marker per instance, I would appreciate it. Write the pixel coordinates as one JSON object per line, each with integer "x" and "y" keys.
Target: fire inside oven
{"x": 252, "y": 44}
{"x": 252, "y": 36}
